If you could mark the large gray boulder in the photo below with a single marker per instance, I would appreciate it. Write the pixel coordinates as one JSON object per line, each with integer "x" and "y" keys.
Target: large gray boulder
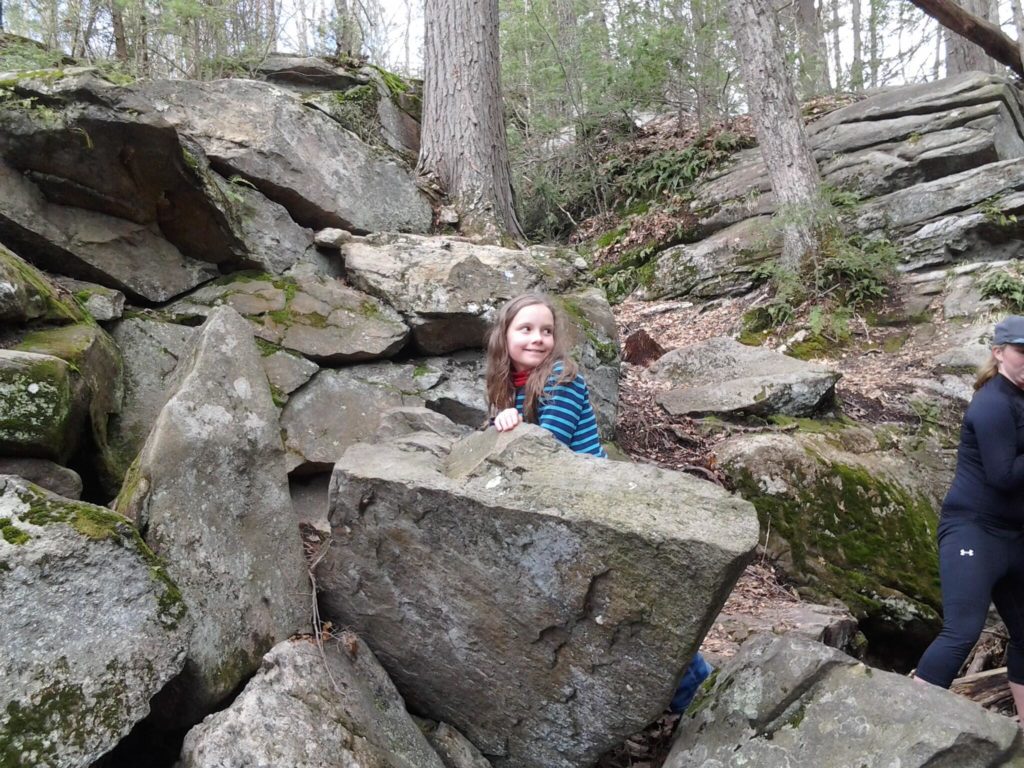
{"x": 315, "y": 315}
{"x": 120, "y": 253}
{"x": 542, "y": 602}
{"x": 107, "y": 150}
{"x": 722, "y": 264}
{"x": 447, "y": 289}
{"x": 210, "y": 491}
{"x": 311, "y": 705}
{"x": 340, "y": 407}
{"x": 723, "y": 377}
{"x": 92, "y": 628}
{"x": 785, "y": 702}
{"x": 295, "y": 155}
{"x": 150, "y": 349}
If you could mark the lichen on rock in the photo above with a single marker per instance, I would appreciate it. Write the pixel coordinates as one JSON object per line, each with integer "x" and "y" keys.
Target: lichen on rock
{"x": 93, "y": 628}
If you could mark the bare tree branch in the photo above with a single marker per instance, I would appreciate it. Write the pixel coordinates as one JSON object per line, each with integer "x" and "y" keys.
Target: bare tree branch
{"x": 979, "y": 31}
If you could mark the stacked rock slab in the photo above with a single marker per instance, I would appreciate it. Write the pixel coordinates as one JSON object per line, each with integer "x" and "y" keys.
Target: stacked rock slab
{"x": 92, "y": 628}
{"x": 263, "y": 134}
{"x": 447, "y": 289}
{"x": 313, "y": 706}
{"x": 542, "y": 602}
{"x": 211, "y": 493}
{"x": 723, "y": 377}
{"x": 785, "y": 702}
{"x": 935, "y": 165}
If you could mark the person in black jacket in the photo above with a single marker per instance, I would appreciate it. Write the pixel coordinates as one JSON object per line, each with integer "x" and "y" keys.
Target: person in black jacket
{"x": 981, "y": 530}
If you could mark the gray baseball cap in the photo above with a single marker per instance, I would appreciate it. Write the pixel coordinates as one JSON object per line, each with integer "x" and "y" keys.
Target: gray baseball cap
{"x": 1009, "y": 330}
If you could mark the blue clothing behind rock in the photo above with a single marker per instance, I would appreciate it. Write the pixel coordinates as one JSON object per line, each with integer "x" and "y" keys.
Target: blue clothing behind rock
{"x": 696, "y": 674}
{"x": 565, "y": 411}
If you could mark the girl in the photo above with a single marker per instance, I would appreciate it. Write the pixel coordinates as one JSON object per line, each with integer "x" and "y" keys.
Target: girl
{"x": 531, "y": 376}
{"x": 981, "y": 530}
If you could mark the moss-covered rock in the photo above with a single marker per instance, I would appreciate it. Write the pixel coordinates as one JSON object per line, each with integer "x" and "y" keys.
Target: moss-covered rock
{"x": 37, "y": 413}
{"x": 81, "y": 661}
{"x": 96, "y": 384}
{"x": 26, "y": 294}
{"x": 848, "y": 521}
{"x": 594, "y": 338}
{"x": 314, "y": 315}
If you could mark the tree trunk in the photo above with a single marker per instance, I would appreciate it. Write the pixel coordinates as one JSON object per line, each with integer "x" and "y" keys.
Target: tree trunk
{"x": 980, "y": 31}
{"x": 874, "y": 22}
{"x": 836, "y": 47}
{"x": 857, "y": 67}
{"x": 813, "y": 54}
{"x": 704, "y": 91}
{"x": 568, "y": 53}
{"x": 1018, "y": 22}
{"x": 779, "y": 127}
{"x": 961, "y": 54}
{"x": 346, "y": 31}
{"x": 408, "y": 36}
{"x": 463, "y": 145}
{"x": 120, "y": 40}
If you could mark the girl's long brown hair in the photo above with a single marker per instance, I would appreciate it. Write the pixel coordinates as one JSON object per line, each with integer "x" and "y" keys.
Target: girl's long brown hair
{"x": 986, "y": 372}
{"x": 500, "y": 392}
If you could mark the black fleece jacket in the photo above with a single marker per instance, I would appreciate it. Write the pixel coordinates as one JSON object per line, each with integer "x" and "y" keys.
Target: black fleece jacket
{"x": 989, "y": 481}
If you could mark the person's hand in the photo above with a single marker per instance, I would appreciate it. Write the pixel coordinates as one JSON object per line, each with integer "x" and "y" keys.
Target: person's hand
{"x": 507, "y": 419}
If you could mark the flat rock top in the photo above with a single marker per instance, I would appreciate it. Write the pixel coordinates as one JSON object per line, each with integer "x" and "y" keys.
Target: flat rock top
{"x": 723, "y": 358}
{"x": 528, "y": 468}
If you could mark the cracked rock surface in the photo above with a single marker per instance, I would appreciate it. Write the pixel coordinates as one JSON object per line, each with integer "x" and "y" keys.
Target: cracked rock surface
{"x": 542, "y": 602}
{"x": 786, "y": 701}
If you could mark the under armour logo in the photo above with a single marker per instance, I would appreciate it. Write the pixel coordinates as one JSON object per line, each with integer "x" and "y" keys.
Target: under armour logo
{"x": 966, "y": 553}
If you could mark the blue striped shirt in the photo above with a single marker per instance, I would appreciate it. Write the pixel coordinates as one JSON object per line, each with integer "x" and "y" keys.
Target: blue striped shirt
{"x": 565, "y": 411}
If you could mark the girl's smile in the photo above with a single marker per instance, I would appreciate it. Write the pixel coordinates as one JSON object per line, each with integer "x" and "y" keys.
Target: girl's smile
{"x": 530, "y": 337}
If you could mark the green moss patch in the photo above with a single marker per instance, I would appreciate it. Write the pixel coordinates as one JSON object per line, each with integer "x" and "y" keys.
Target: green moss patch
{"x": 11, "y": 533}
{"x": 51, "y": 306}
{"x": 62, "y": 713}
{"x": 37, "y": 395}
{"x": 856, "y": 536}
{"x": 99, "y": 524}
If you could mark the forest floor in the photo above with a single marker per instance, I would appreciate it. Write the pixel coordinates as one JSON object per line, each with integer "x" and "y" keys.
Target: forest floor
{"x": 873, "y": 389}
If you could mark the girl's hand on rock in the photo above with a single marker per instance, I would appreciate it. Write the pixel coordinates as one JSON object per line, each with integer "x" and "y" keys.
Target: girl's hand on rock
{"x": 507, "y": 420}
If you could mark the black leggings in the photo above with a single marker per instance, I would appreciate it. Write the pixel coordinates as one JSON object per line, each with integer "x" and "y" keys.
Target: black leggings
{"x": 977, "y": 566}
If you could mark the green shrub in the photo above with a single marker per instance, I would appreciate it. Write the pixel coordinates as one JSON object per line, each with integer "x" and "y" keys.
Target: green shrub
{"x": 860, "y": 271}
{"x": 1006, "y": 285}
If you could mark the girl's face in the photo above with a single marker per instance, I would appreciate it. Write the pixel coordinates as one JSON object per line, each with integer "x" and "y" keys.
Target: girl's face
{"x": 1011, "y": 363}
{"x": 530, "y": 337}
